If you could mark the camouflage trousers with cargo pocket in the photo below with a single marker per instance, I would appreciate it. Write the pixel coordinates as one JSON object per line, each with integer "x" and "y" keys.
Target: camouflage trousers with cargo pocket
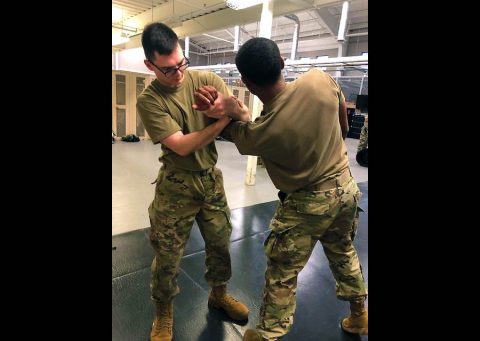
{"x": 181, "y": 197}
{"x": 302, "y": 219}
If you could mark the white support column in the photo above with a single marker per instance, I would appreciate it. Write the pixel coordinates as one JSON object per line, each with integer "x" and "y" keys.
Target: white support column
{"x": 265, "y": 32}
{"x": 266, "y": 19}
{"x": 342, "y": 41}
{"x": 236, "y": 42}
{"x": 294, "y": 42}
{"x": 342, "y": 47}
{"x": 296, "y": 31}
{"x": 343, "y": 22}
{"x": 187, "y": 47}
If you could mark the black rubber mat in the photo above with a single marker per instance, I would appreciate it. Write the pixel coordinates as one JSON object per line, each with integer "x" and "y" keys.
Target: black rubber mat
{"x": 131, "y": 251}
{"x": 318, "y": 312}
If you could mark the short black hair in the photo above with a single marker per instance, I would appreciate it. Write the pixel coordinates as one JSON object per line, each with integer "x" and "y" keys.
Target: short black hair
{"x": 259, "y": 60}
{"x": 158, "y": 37}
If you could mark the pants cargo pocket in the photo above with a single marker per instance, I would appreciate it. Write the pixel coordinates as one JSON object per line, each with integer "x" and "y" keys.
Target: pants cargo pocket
{"x": 274, "y": 244}
{"x": 356, "y": 197}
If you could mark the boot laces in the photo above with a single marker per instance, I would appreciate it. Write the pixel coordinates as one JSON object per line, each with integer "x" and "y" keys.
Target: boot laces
{"x": 164, "y": 320}
{"x": 229, "y": 299}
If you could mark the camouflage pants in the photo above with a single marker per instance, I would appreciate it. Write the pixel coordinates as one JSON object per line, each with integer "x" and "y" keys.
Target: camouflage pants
{"x": 180, "y": 198}
{"x": 363, "y": 141}
{"x": 299, "y": 222}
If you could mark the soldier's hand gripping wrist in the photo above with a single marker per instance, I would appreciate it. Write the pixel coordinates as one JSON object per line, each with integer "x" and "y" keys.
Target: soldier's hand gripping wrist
{"x": 210, "y": 101}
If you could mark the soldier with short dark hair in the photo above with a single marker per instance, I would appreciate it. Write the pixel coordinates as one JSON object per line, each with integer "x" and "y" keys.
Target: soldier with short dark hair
{"x": 188, "y": 187}
{"x": 299, "y": 137}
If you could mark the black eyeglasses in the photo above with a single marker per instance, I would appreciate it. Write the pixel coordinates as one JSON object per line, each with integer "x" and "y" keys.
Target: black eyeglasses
{"x": 172, "y": 70}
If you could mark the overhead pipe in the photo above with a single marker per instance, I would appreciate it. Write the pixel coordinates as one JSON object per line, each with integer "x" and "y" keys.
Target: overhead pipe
{"x": 357, "y": 34}
{"x": 208, "y": 35}
{"x": 319, "y": 62}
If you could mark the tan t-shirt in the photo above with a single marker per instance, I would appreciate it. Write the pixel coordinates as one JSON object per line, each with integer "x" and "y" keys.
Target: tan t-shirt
{"x": 298, "y": 134}
{"x": 165, "y": 111}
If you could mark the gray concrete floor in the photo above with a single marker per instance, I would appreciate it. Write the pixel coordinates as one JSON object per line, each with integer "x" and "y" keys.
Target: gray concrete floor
{"x": 135, "y": 167}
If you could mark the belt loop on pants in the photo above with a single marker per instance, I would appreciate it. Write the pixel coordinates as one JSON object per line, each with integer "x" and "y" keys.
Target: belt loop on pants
{"x": 333, "y": 182}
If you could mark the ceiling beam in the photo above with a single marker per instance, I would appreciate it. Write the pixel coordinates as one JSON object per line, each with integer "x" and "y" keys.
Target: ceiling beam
{"x": 327, "y": 20}
{"x": 215, "y": 21}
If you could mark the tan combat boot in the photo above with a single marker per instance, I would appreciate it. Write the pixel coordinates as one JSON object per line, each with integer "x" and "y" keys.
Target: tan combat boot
{"x": 252, "y": 335}
{"x": 220, "y": 299}
{"x": 163, "y": 323}
{"x": 357, "y": 322}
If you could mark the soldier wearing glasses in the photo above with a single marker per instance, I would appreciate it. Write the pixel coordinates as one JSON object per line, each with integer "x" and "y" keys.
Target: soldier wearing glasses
{"x": 188, "y": 187}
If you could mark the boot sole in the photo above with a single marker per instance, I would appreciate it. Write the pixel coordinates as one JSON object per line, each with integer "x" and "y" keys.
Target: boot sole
{"x": 358, "y": 331}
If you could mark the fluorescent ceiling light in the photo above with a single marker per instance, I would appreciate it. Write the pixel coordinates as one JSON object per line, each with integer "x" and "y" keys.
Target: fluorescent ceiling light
{"x": 241, "y": 4}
